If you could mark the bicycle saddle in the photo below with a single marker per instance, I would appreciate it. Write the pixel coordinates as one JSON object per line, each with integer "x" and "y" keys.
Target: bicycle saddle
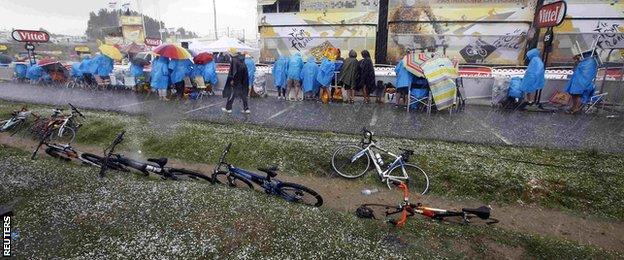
{"x": 271, "y": 171}
{"x": 160, "y": 161}
{"x": 482, "y": 212}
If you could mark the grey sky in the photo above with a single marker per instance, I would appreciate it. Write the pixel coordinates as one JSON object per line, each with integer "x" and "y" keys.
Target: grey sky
{"x": 70, "y": 16}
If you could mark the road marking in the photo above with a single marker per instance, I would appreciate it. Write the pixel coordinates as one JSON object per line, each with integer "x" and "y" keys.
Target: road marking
{"x": 134, "y": 104}
{"x": 374, "y": 118}
{"x": 281, "y": 112}
{"x": 502, "y": 138}
{"x": 200, "y": 108}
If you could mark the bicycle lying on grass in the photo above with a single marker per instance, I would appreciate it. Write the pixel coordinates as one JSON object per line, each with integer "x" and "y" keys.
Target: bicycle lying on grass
{"x": 351, "y": 161}
{"x": 62, "y": 127}
{"x": 407, "y": 209}
{"x": 17, "y": 121}
{"x": 237, "y": 177}
{"x": 156, "y": 165}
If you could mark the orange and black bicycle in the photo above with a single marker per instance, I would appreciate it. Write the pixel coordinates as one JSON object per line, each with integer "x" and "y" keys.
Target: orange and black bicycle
{"x": 480, "y": 215}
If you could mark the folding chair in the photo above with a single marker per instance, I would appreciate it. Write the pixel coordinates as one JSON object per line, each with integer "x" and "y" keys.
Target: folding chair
{"x": 420, "y": 97}
{"x": 594, "y": 101}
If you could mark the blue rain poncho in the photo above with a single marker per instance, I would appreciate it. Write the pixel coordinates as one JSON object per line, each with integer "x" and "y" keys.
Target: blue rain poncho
{"x": 582, "y": 81}
{"x": 404, "y": 78}
{"x": 251, "y": 70}
{"x": 514, "y": 88}
{"x": 34, "y": 72}
{"x": 308, "y": 75}
{"x": 105, "y": 66}
{"x": 210, "y": 73}
{"x": 85, "y": 65}
{"x": 533, "y": 79}
{"x": 280, "y": 68}
{"x": 136, "y": 70}
{"x": 294, "y": 67}
{"x": 180, "y": 69}
{"x": 21, "y": 70}
{"x": 198, "y": 70}
{"x": 160, "y": 73}
{"x": 325, "y": 73}
{"x": 75, "y": 70}
{"x": 93, "y": 65}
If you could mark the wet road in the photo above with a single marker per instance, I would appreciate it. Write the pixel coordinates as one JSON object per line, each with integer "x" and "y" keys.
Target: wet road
{"x": 478, "y": 124}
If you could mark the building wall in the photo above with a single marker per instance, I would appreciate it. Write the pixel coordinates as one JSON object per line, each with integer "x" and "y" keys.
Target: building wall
{"x": 320, "y": 24}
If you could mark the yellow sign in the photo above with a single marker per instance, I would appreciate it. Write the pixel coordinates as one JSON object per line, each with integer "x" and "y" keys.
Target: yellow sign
{"x": 3, "y": 47}
{"x": 133, "y": 33}
{"x": 82, "y": 49}
{"x": 130, "y": 20}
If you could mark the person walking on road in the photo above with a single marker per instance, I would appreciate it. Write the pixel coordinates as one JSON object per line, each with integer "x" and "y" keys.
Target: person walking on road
{"x": 160, "y": 76}
{"x": 237, "y": 84}
{"x": 293, "y": 84}
{"x": 348, "y": 74}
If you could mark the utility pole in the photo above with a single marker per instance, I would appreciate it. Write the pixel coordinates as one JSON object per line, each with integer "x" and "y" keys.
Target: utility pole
{"x": 214, "y": 11}
{"x": 142, "y": 18}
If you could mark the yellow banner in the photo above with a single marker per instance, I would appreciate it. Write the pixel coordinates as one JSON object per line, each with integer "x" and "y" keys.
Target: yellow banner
{"x": 133, "y": 33}
{"x": 82, "y": 49}
{"x": 130, "y": 20}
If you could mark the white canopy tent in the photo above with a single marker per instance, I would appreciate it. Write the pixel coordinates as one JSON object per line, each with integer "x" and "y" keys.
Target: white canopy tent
{"x": 222, "y": 45}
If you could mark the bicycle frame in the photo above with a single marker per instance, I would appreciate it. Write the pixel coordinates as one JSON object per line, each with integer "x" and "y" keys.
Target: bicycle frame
{"x": 383, "y": 174}
{"x": 269, "y": 185}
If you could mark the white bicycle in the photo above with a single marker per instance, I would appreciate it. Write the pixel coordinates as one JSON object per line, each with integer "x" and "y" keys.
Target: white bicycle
{"x": 352, "y": 161}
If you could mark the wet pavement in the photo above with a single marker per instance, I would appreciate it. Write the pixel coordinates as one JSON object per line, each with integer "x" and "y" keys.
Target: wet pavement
{"x": 477, "y": 124}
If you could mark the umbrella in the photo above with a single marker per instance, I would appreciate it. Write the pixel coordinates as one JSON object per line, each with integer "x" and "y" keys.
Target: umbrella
{"x": 413, "y": 63}
{"x": 110, "y": 51}
{"x": 172, "y": 51}
{"x": 46, "y": 62}
{"x": 203, "y": 58}
{"x": 222, "y": 45}
{"x": 140, "y": 62}
{"x": 5, "y": 59}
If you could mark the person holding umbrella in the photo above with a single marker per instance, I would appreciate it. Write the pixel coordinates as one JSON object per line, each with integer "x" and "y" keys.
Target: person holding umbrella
{"x": 105, "y": 61}
{"x": 237, "y": 83}
{"x": 160, "y": 76}
{"x": 180, "y": 65}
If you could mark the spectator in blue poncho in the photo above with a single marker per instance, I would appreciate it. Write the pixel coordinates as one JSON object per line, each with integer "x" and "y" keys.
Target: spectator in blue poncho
{"x": 34, "y": 73}
{"x": 136, "y": 70}
{"x": 180, "y": 69}
{"x": 404, "y": 80}
{"x": 210, "y": 75}
{"x": 581, "y": 85}
{"x": 293, "y": 83}
{"x": 279, "y": 71}
{"x": 308, "y": 78}
{"x": 104, "y": 67}
{"x": 533, "y": 79}
{"x": 20, "y": 71}
{"x": 251, "y": 69}
{"x": 75, "y": 71}
{"x": 93, "y": 65}
{"x": 85, "y": 68}
{"x": 160, "y": 76}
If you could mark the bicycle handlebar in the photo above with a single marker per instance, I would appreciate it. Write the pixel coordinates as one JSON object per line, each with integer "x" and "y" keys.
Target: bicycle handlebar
{"x": 76, "y": 110}
{"x": 109, "y": 151}
{"x": 225, "y": 152}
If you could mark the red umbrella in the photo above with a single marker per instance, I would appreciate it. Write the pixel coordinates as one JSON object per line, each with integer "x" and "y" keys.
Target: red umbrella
{"x": 202, "y": 58}
{"x": 173, "y": 52}
{"x": 46, "y": 61}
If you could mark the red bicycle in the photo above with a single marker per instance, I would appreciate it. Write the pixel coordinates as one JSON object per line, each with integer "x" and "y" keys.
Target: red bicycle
{"x": 406, "y": 209}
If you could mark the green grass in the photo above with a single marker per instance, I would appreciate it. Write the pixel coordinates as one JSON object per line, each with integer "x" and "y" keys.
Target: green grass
{"x": 65, "y": 210}
{"x": 588, "y": 182}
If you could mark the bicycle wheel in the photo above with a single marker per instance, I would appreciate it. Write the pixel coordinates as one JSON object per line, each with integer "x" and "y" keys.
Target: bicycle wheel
{"x": 96, "y": 160}
{"x": 418, "y": 181}
{"x": 57, "y": 153}
{"x": 233, "y": 180}
{"x": 66, "y": 137}
{"x": 293, "y": 192}
{"x": 348, "y": 166}
{"x": 184, "y": 174}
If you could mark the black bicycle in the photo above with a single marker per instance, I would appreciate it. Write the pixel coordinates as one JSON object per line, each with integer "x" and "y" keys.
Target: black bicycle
{"x": 237, "y": 177}
{"x": 154, "y": 165}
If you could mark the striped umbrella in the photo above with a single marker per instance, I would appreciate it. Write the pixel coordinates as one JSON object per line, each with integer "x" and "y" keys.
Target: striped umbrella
{"x": 413, "y": 63}
{"x": 173, "y": 52}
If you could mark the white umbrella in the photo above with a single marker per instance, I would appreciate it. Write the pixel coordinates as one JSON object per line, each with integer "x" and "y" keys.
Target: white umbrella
{"x": 222, "y": 45}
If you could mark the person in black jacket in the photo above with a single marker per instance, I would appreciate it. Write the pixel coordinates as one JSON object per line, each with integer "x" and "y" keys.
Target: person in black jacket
{"x": 366, "y": 75}
{"x": 237, "y": 84}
